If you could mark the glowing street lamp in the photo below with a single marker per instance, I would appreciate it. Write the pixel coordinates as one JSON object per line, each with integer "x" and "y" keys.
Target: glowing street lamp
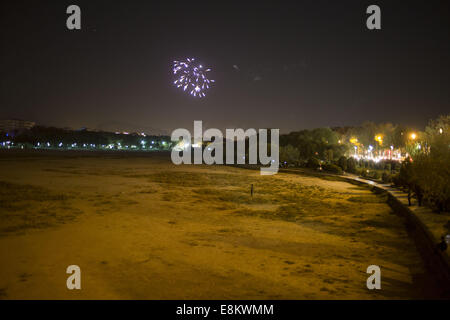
{"x": 440, "y": 130}
{"x": 370, "y": 149}
{"x": 379, "y": 138}
{"x": 413, "y": 136}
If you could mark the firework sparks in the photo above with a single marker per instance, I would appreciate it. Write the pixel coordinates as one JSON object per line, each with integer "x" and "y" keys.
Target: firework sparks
{"x": 191, "y": 77}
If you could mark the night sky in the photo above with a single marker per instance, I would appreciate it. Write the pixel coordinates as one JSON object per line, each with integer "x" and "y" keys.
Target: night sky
{"x": 297, "y": 64}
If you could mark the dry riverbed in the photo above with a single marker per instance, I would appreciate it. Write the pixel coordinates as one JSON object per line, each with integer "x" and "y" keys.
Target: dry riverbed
{"x": 140, "y": 227}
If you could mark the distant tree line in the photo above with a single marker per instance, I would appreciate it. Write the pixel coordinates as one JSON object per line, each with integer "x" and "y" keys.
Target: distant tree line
{"x": 67, "y": 138}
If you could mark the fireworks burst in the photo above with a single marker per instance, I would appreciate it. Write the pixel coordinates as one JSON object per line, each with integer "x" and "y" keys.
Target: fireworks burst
{"x": 191, "y": 77}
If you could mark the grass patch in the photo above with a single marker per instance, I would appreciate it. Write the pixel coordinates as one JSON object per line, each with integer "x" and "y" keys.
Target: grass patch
{"x": 369, "y": 199}
{"x": 273, "y": 198}
{"x": 26, "y": 207}
{"x": 196, "y": 179}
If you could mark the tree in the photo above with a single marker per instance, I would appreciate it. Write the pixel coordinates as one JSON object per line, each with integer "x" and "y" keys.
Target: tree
{"x": 315, "y": 143}
{"x": 437, "y": 136}
{"x": 289, "y": 154}
{"x": 428, "y": 173}
{"x": 351, "y": 165}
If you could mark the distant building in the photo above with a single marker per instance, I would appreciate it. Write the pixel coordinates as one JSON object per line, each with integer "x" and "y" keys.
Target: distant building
{"x": 15, "y": 125}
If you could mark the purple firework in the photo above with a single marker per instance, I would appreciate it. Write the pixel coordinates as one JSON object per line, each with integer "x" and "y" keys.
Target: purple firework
{"x": 191, "y": 77}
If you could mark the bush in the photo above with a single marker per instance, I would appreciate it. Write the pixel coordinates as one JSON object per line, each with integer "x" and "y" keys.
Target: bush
{"x": 406, "y": 176}
{"x": 379, "y": 165}
{"x": 396, "y": 180}
{"x": 342, "y": 162}
{"x": 364, "y": 173}
{"x": 386, "y": 177}
{"x": 332, "y": 168}
{"x": 289, "y": 155}
{"x": 375, "y": 175}
{"x": 351, "y": 165}
{"x": 313, "y": 163}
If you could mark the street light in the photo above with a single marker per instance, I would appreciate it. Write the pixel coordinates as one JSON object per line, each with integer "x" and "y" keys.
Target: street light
{"x": 413, "y": 136}
{"x": 370, "y": 151}
{"x": 379, "y": 138}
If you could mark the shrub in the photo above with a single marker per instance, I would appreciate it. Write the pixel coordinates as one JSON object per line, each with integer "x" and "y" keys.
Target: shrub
{"x": 375, "y": 175}
{"x": 406, "y": 176}
{"x": 289, "y": 154}
{"x": 313, "y": 163}
{"x": 342, "y": 162}
{"x": 386, "y": 177}
{"x": 379, "y": 165}
{"x": 396, "y": 180}
{"x": 351, "y": 165}
{"x": 332, "y": 168}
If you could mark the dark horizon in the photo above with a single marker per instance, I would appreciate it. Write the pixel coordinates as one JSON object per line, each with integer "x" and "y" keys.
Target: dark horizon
{"x": 287, "y": 65}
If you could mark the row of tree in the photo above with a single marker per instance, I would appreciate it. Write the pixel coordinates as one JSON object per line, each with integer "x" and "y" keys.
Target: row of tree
{"x": 381, "y": 135}
{"x": 322, "y": 143}
{"x": 57, "y": 136}
{"x": 426, "y": 173}
{"x": 330, "y": 144}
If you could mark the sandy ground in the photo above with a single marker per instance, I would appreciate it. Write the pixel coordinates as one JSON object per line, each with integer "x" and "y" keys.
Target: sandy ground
{"x": 140, "y": 227}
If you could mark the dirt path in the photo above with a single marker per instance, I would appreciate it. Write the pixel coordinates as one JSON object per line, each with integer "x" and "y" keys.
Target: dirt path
{"x": 141, "y": 228}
